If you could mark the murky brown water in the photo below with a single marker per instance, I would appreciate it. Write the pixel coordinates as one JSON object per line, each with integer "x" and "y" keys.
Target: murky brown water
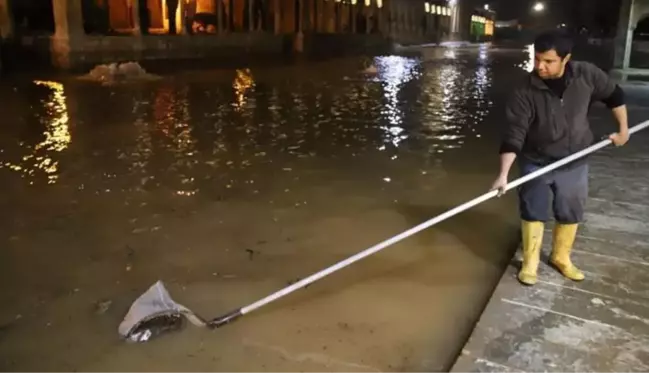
{"x": 227, "y": 185}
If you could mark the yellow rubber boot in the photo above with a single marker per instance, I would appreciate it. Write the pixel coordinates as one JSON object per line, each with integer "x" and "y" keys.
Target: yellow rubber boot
{"x": 532, "y": 232}
{"x": 564, "y": 237}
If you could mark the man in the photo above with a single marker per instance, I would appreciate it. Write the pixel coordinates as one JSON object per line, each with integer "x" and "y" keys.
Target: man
{"x": 547, "y": 121}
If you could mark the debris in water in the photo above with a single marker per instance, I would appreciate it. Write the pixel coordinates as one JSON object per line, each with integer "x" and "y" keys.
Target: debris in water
{"x": 251, "y": 253}
{"x": 102, "y": 307}
{"x": 156, "y": 326}
{"x": 119, "y": 73}
{"x": 344, "y": 326}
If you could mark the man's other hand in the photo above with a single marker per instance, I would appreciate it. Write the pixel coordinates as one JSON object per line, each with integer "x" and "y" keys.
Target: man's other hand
{"x": 619, "y": 138}
{"x": 500, "y": 184}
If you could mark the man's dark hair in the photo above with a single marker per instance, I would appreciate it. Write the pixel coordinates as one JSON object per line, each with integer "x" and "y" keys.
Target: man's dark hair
{"x": 556, "y": 40}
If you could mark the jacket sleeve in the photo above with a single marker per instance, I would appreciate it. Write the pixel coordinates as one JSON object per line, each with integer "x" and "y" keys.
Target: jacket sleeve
{"x": 603, "y": 85}
{"x": 519, "y": 114}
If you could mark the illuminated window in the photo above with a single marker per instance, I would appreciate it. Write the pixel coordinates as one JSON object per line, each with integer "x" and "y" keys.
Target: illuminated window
{"x": 427, "y": 7}
{"x": 379, "y": 3}
{"x": 439, "y": 10}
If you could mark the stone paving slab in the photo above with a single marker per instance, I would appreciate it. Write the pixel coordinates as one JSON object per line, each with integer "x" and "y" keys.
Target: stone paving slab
{"x": 600, "y": 324}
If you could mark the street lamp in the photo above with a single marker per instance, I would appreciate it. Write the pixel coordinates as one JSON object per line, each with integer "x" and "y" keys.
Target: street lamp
{"x": 486, "y": 7}
{"x": 539, "y": 7}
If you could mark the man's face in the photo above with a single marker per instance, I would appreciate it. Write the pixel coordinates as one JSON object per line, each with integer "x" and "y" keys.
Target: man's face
{"x": 549, "y": 65}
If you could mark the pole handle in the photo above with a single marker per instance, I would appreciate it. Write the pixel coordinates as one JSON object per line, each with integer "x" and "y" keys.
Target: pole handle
{"x": 448, "y": 214}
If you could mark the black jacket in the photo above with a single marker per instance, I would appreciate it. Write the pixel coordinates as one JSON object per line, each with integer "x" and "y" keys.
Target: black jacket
{"x": 543, "y": 127}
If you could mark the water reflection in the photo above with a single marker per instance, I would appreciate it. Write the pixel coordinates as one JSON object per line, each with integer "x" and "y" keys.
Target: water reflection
{"x": 482, "y": 52}
{"x": 446, "y": 129}
{"x": 450, "y": 53}
{"x": 167, "y": 131}
{"x": 235, "y": 135}
{"x": 43, "y": 156}
{"x": 243, "y": 82}
{"x": 528, "y": 64}
{"x": 457, "y": 102}
{"x": 394, "y": 72}
{"x": 482, "y": 80}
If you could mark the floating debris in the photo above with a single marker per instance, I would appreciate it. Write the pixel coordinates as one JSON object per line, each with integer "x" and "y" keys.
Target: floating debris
{"x": 119, "y": 73}
{"x": 103, "y": 306}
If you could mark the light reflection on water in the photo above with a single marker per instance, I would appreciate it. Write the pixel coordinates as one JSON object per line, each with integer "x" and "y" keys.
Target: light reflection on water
{"x": 528, "y": 64}
{"x": 243, "y": 82}
{"x": 394, "y": 72}
{"x": 459, "y": 101}
{"x": 173, "y": 120}
{"x": 42, "y": 157}
{"x": 192, "y": 137}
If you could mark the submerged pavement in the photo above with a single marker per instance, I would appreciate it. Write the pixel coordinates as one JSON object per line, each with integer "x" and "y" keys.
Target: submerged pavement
{"x": 229, "y": 184}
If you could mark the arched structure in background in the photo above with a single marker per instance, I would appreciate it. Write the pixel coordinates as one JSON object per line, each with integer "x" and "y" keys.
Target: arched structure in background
{"x": 642, "y": 29}
{"x": 71, "y": 33}
{"x": 631, "y": 13}
{"x": 639, "y": 57}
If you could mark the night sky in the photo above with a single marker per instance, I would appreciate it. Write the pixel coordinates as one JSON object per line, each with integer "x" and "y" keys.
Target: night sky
{"x": 593, "y": 14}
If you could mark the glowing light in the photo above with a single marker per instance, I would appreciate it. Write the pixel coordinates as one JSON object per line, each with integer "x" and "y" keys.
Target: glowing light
{"x": 539, "y": 7}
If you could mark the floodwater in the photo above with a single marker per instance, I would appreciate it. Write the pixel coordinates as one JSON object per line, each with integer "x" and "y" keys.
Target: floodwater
{"x": 228, "y": 185}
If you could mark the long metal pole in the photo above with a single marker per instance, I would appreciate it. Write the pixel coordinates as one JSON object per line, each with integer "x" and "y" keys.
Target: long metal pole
{"x": 374, "y": 249}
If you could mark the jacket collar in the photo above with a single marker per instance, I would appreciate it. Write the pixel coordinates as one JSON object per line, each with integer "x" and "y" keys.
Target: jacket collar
{"x": 537, "y": 82}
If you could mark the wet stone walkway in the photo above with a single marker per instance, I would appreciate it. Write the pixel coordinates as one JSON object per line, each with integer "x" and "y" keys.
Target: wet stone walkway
{"x": 602, "y": 323}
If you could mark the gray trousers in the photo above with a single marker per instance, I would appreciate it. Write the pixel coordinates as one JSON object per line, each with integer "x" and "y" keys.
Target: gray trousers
{"x": 567, "y": 185}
